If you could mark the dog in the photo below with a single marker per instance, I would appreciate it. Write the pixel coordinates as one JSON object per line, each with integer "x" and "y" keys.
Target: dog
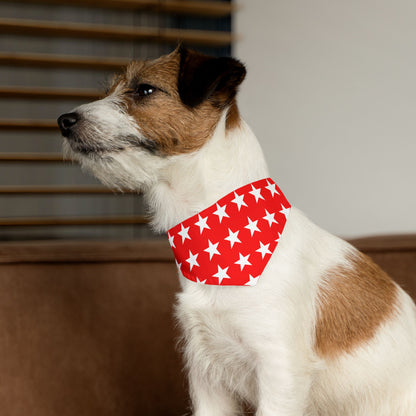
{"x": 322, "y": 330}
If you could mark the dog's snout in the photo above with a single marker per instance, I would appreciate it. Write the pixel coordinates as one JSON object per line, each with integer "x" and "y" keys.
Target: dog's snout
{"x": 66, "y": 122}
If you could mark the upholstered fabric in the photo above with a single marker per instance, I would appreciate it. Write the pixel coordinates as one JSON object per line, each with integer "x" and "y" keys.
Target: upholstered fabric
{"x": 87, "y": 328}
{"x": 87, "y": 334}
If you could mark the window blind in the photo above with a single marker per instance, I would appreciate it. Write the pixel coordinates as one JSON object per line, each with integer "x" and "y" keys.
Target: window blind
{"x": 55, "y": 55}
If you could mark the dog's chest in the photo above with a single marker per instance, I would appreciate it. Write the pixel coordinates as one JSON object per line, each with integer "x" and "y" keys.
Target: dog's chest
{"x": 215, "y": 343}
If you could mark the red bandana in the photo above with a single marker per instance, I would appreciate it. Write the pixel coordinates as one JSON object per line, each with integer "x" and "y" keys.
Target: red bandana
{"x": 231, "y": 242}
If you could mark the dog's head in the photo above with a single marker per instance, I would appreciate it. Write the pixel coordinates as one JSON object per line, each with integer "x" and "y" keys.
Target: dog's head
{"x": 153, "y": 110}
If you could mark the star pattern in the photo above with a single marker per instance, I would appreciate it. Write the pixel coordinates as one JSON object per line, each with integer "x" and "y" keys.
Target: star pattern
{"x": 221, "y": 212}
{"x": 171, "y": 237}
{"x": 243, "y": 261}
{"x": 252, "y": 280}
{"x": 231, "y": 242}
{"x": 212, "y": 249}
{"x": 192, "y": 260}
{"x": 202, "y": 223}
{"x": 285, "y": 211}
{"x": 232, "y": 237}
{"x": 256, "y": 192}
{"x": 264, "y": 249}
{"x": 221, "y": 274}
{"x": 239, "y": 200}
{"x": 269, "y": 217}
{"x": 184, "y": 233}
{"x": 252, "y": 226}
{"x": 272, "y": 188}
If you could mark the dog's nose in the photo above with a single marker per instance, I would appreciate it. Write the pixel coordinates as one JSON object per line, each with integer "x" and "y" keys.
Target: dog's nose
{"x": 66, "y": 122}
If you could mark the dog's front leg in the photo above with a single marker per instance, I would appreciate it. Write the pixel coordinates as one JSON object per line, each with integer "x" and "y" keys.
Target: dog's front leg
{"x": 209, "y": 399}
{"x": 283, "y": 383}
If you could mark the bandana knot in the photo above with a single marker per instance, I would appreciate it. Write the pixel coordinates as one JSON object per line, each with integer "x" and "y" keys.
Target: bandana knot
{"x": 231, "y": 242}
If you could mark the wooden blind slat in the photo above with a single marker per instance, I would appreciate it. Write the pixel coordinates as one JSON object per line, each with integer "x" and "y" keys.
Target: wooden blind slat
{"x": 61, "y": 61}
{"x": 203, "y": 8}
{"x": 32, "y": 157}
{"x": 49, "y": 93}
{"x": 65, "y": 221}
{"x": 76, "y": 30}
{"x": 61, "y": 190}
{"x": 28, "y": 125}
{"x": 193, "y": 7}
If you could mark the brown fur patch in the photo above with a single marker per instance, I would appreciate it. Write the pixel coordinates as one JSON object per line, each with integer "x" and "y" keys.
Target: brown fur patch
{"x": 167, "y": 123}
{"x": 233, "y": 116}
{"x": 353, "y": 302}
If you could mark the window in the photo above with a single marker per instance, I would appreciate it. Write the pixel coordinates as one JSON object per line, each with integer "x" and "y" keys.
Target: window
{"x": 55, "y": 55}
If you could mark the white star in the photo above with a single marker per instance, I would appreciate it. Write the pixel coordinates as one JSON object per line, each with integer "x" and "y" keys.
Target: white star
{"x": 233, "y": 237}
{"x": 272, "y": 188}
{"x": 239, "y": 200}
{"x": 192, "y": 260}
{"x": 252, "y": 281}
{"x": 221, "y": 274}
{"x": 221, "y": 212}
{"x": 252, "y": 226}
{"x": 264, "y": 249}
{"x": 270, "y": 218}
{"x": 201, "y": 281}
{"x": 202, "y": 223}
{"x": 212, "y": 249}
{"x": 285, "y": 211}
{"x": 243, "y": 261}
{"x": 178, "y": 265}
{"x": 171, "y": 237}
{"x": 184, "y": 233}
{"x": 256, "y": 193}
{"x": 278, "y": 238}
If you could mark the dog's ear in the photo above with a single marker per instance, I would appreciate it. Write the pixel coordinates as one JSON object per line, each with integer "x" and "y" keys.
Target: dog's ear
{"x": 202, "y": 77}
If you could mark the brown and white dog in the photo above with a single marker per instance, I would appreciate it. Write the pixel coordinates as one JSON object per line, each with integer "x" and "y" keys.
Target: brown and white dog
{"x": 324, "y": 332}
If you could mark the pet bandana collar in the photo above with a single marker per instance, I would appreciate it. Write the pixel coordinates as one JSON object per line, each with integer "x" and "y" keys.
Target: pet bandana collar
{"x": 231, "y": 242}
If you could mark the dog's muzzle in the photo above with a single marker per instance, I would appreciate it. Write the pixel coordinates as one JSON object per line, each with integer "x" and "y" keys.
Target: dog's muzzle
{"x": 66, "y": 123}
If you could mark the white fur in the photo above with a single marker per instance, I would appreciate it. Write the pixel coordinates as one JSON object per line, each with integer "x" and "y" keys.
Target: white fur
{"x": 257, "y": 343}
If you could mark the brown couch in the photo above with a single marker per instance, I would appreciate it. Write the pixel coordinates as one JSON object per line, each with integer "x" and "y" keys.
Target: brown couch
{"x": 86, "y": 328}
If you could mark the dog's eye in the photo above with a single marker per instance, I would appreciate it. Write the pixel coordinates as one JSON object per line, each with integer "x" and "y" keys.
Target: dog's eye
{"x": 144, "y": 90}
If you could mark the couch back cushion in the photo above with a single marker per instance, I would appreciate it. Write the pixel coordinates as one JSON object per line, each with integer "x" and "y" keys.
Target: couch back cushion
{"x": 87, "y": 328}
